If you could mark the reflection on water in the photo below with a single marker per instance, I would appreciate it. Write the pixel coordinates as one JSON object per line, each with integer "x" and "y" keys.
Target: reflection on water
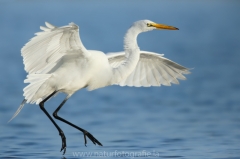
{"x": 197, "y": 119}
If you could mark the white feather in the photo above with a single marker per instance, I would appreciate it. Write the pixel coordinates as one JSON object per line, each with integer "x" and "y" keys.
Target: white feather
{"x": 57, "y": 61}
{"x": 49, "y": 46}
{"x": 152, "y": 70}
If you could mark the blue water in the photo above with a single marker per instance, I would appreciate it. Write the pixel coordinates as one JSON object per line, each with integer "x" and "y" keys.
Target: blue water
{"x": 198, "y": 119}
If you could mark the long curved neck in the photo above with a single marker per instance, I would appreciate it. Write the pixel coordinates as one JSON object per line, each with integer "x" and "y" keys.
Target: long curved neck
{"x": 130, "y": 39}
{"x": 132, "y": 55}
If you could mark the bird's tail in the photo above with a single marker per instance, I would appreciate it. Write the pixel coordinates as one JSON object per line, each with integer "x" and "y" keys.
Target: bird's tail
{"x": 18, "y": 110}
{"x": 38, "y": 88}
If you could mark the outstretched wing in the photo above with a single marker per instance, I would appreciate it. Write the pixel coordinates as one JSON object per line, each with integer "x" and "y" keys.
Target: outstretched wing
{"x": 152, "y": 70}
{"x": 47, "y": 47}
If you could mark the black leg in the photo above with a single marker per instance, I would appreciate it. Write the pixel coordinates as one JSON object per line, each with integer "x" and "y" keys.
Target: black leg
{"x": 41, "y": 104}
{"x": 85, "y": 133}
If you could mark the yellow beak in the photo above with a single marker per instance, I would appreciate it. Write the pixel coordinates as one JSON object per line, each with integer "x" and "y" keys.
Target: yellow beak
{"x": 163, "y": 26}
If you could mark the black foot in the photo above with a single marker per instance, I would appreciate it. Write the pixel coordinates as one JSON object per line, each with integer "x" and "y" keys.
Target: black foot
{"x": 64, "y": 145}
{"x": 90, "y": 136}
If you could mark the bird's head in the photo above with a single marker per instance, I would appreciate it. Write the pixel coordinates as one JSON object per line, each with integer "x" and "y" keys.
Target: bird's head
{"x": 147, "y": 25}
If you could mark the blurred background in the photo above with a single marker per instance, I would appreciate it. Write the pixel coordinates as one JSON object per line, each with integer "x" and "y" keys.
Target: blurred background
{"x": 197, "y": 119}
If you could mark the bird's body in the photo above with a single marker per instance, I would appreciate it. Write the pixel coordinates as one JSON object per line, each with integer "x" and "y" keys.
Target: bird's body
{"x": 92, "y": 72}
{"x": 72, "y": 73}
{"x": 57, "y": 61}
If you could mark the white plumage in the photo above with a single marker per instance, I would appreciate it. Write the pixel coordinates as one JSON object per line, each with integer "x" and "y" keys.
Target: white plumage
{"x": 43, "y": 51}
{"x": 152, "y": 70}
{"x": 56, "y": 60}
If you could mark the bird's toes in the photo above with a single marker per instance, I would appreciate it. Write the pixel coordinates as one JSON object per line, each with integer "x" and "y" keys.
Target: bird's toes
{"x": 93, "y": 139}
{"x": 64, "y": 146}
{"x": 64, "y": 150}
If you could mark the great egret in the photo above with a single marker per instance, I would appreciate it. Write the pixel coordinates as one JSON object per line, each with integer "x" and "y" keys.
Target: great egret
{"x": 56, "y": 61}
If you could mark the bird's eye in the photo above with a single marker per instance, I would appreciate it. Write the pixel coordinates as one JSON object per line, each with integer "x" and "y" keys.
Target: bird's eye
{"x": 149, "y": 24}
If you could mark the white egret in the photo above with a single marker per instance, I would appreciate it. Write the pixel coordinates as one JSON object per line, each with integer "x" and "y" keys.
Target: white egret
{"x": 56, "y": 61}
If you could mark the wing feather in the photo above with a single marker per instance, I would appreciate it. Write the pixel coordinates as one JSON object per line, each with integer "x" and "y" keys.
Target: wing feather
{"x": 152, "y": 70}
{"x": 155, "y": 75}
{"x": 48, "y": 46}
{"x": 153, "y": 78}
{"x": 144, "y": 78}
{"x": 137, "y": 76}
{"x": 50, "y": 26}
